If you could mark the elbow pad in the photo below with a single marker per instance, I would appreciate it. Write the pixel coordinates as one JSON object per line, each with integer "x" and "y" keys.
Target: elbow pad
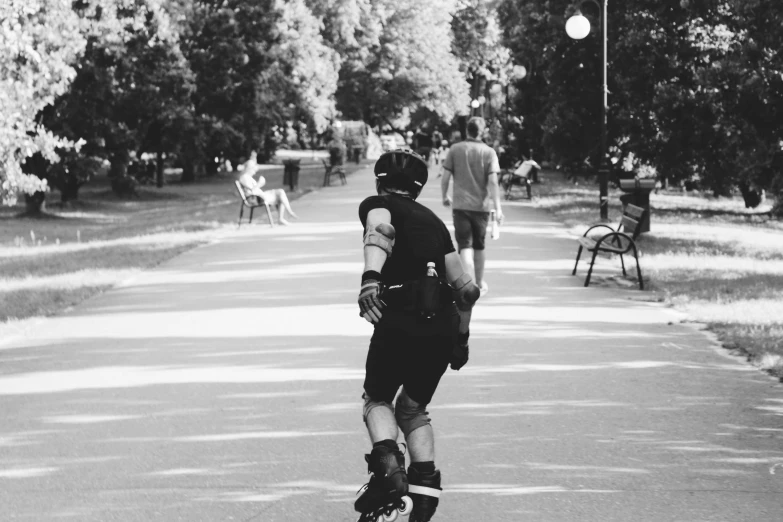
{"x": 466, "y": 292}
{"x": 382, "y": 237}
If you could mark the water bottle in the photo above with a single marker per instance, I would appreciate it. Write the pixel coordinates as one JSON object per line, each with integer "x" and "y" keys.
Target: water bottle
{"x": 493, "y": 224}
{"x": 429, "y": 293}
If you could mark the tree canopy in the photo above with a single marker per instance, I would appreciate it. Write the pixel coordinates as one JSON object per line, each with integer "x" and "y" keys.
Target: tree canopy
{"x": 397, "y": 61}
{"x": 39, "y": 42}
{"x": 694, "y": 85}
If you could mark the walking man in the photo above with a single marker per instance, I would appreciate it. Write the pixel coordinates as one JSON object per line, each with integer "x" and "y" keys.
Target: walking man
{"x": 417, "y": 295}
{"x": 475, "y": 168}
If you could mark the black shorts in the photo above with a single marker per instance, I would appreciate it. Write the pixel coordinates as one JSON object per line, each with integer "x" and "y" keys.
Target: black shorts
{"x": 470, "y": 228}
{"x": 404, "y": 353}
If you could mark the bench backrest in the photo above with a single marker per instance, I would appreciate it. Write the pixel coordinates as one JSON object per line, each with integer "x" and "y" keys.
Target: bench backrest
{"x": 632, "y": 216}
{"x": 241, "y": 191}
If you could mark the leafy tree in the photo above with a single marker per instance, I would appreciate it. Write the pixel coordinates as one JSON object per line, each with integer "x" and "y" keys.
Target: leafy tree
{"x": 39, "y": 41}
{"x": 477, "y": 44}
{"x": 559, "y": 100}
{"x": 396, "y": 61}
{"x": 257, "y": 65}
{"x": 694, "y": 85}
{"x": 131, "y": 94}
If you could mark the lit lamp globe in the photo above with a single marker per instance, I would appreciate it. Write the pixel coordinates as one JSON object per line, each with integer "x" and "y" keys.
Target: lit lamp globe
{"x": 519, "y": 72}
{"x": 578, "y": 27}
{"x": 475, "y": 104}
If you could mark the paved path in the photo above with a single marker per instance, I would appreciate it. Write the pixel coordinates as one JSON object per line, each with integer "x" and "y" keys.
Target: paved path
{"x": 225, "y": 385}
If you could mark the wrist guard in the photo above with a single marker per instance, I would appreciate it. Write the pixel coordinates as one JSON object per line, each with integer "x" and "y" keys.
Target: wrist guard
{"x": 371, "y": 275}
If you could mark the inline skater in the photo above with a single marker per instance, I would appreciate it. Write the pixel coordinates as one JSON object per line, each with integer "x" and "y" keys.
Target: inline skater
{"x": 419, "y": 298}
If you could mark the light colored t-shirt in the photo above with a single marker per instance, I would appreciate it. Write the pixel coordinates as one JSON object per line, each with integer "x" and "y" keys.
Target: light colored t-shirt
{"x": 251, "y": 186}
{"x": 471, "y": 162}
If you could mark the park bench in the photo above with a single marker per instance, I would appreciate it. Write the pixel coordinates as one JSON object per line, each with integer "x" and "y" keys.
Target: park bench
{"x": 251, "y": 206}
{"x": 615, "y": 241}
{"x": 519, "y": 175}
{"x": 333, "y": 169}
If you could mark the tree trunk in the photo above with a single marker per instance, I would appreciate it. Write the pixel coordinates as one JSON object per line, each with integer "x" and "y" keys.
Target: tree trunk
{"x": 159, "y": 171}
{"x": 35, "y": 203}
{"x": 69, "y": 192}
{"x": 119, "y": 164}
{"x": 211, "y": 168}
{"x": 462, "y": 123}
{"x": 188, "y": 172}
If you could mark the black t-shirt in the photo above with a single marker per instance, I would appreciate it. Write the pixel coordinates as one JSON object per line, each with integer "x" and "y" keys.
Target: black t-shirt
{"x": 421, "y": 237}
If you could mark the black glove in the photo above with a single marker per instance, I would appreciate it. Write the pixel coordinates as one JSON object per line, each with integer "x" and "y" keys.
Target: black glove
{"x": 461, "y": 353}
{"x": 370, "y": 304}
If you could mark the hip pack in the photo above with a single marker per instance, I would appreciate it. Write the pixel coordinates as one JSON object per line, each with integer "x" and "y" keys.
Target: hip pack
{"x": 427, "y": 296}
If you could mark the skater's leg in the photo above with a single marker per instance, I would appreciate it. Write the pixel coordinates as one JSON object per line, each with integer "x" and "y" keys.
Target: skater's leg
{"x": 389, "y": 483}
{"x": 424, "y": 489}
{"x": 414, "y": 421}
{"x": 379, "y": 417}
{"x": 421, "y": 444}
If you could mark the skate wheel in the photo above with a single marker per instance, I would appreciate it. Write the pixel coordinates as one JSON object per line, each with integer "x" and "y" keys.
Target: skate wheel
{"x": 407, "y": 505}
{"x": 390, "y": 517}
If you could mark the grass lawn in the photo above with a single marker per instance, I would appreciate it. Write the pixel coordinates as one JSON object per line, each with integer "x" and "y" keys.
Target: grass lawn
{"x": 712, "y": 258}
{"x": 50, "y": 263}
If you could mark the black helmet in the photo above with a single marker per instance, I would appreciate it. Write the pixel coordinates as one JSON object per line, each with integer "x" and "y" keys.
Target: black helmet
{"x": 401, "y": 169}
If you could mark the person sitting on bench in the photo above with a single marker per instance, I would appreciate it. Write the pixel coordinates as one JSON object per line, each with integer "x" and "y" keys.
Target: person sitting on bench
{"x": 273, "y": 197}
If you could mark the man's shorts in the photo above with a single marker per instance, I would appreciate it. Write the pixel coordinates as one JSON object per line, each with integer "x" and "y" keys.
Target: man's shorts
{"x": 470, "y": 228}
{"x": 415, "y": 358}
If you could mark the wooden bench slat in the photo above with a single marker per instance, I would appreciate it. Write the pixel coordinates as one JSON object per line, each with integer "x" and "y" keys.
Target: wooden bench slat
{"x": 634, "y": 211}
{"x": 590, "y": 244}
{"x": 629, "y": 225}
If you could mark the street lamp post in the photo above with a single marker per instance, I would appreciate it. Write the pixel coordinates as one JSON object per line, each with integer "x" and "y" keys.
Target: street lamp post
{"x": 518, "y": 72}
{"x": 578, "y": 27}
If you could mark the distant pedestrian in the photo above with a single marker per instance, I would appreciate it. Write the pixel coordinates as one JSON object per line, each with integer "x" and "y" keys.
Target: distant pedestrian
{"x": 422, "y": 144}
{"x": 475, "y": 168}
{"x": 437, "y": 139}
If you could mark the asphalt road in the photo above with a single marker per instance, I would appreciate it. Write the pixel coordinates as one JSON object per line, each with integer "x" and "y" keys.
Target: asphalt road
{"x": 225, "y": 385}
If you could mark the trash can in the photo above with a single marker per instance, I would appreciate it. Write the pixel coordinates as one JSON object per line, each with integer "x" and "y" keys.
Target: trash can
{"x": 291, "y": 173}
{"x": 637, "y": 192}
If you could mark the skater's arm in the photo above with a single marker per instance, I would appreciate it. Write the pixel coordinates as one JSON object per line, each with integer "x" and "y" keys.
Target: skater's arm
{"x": 378, "y": 243}
{"x": 454, "y": 268}
{"x": 467, "y": 293}
{"x": 375, "y": 255}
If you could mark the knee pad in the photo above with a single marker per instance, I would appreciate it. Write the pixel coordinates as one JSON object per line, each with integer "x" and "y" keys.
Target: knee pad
{"x": 370, "y": 405}
{"x": 410, "y": 415}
